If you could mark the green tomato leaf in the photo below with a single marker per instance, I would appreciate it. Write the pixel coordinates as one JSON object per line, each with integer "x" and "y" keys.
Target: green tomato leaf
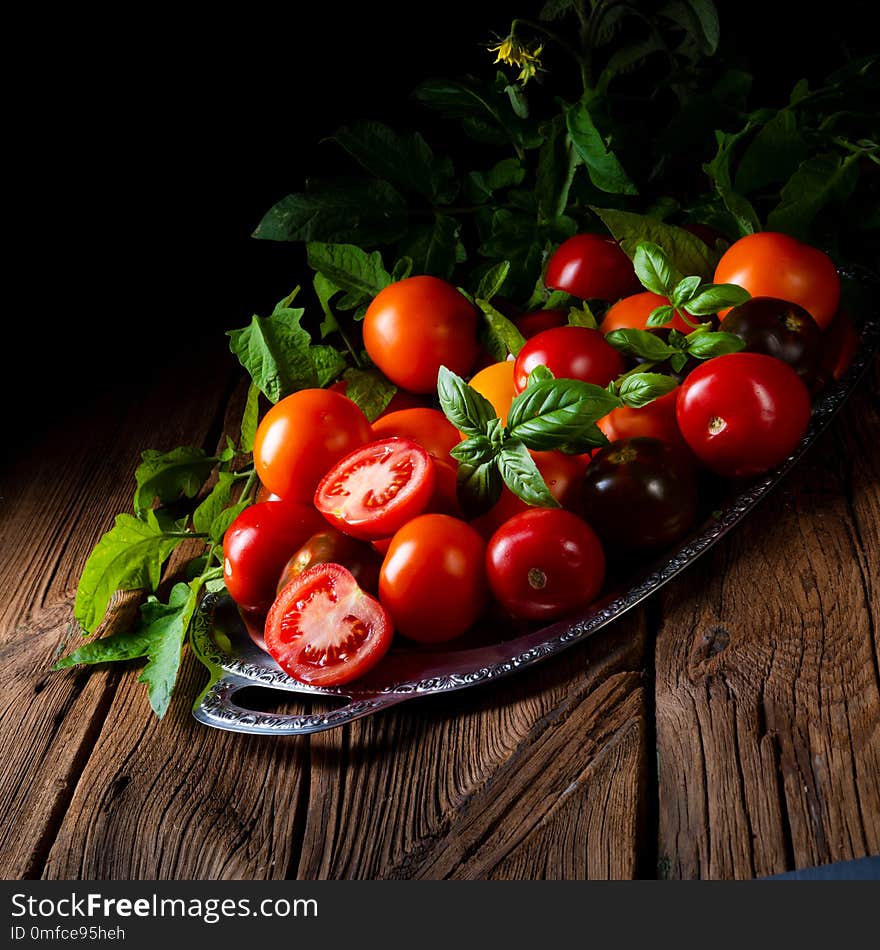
{"x": 684, "y": 290}
{"x": 555, "y": 412}
{"x": 168, "y": 475}
{"x": 464, "y": 407}
{"x": 220, "y": 524}
{"x": 557, "y": 164}
{"x": 706, "y": 345}
{"x": 772, "y": 156}
{"x": 250, "y": 419}
{"x": 403, "y": 267}
{"x": 340, "y": 211}
{"x": 640, "y": 343}
{"x": 521, "y": 475}
{"x": 504, "y": 337}
{"x": 602, "y": 165}
{"x": 641, "y": 388}
{"x": 217, "y": 499}
{"x": 275, "y": 351}
{"x": 479, "y": 187}
{"x": 348, "y": 268}
{"x": 328, "y": 363}
{"x": 715, "y": 297}
{"x": 434, "y": 247}
{"x": 325, "y": 290}
{"x": 820, "y": 181}
{"x": 685, "y": 251}
{"x": 130, "y": 556}
{"x": 405, "y": 161}
{"x": 660, "y": 316}
{"x": 654, "y": 269}
{"x": 370, "y": 390}
{"x": 718, "y": 170}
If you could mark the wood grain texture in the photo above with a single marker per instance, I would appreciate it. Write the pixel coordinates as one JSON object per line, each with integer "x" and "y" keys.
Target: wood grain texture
{"x": 57, "y": 501}
{"x": 767, "y": 686}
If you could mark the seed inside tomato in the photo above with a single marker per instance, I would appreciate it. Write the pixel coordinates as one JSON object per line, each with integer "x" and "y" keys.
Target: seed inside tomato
{"x": 377, "y": 488}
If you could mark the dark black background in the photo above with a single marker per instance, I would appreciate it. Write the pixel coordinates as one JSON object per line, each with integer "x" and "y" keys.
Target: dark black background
{"x": 158, "y": 144}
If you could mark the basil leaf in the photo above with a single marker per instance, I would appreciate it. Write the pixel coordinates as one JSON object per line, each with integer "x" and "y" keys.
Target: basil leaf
{"x": 706, "y": 345}
{"x": 464, "y": 407}
{"x": 475, "y": 451}
{"x": 661, "y": 316}
{"x": 168, "y": 475}
{"x": 492, "y": 281}
{"x": 684, "y": 290}
{"x": 503, "y": 334}
{"x": 589, "y": 438}
{"x": 521, "y": 475}
{"x": 641, "y": 388}
{"x": 654, "y": 269}
{"x": 129, "y": 556}
{"x": 555, "y": 412}
{"x": 639, "y": 343}
{"x": 479, "y": 486}
{"x": 716, "y": 297}
{"x": 677, "y": 361}
{"x": 540, "y": 374}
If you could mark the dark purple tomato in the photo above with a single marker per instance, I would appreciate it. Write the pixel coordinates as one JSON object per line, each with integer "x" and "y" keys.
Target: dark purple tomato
{"x": 639, "y": 494}
{"x": 778, "y": 328}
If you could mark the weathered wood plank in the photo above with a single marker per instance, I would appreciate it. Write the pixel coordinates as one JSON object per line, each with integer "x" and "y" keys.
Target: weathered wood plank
{"x": 476, "y": 784}
{"x": 57, "y": 500}
{"x": 767, "y": 698}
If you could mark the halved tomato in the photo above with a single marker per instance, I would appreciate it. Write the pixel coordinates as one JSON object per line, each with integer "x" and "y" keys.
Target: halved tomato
{"x": 376, "y": 489}
{"x": 324, "y": 630}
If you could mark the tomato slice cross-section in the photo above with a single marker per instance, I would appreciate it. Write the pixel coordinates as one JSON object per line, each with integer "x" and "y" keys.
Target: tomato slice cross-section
{"x": 377, "y": 488}
{"x": 324, "y": 630}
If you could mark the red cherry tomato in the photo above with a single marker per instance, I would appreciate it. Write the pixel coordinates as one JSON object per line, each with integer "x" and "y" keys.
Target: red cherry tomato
{"x": 632, "y": 313}
{"x": 376, "y": 489}
{"x": 545, "y": 563}
{"x": 533, "y": 323}
{"x": 324, "y": 630}
{"x": 569, "y": 353}
{"x": 330, "y": 546}
{"x": 257, "y": 545}
{"x": 444, "y": 501}
{"x": 591, "y": 266}
{"x": 429, "y": 427}
{"x": 768, "y": 264}
{"x": 415, "y": 326}
{"x": 656, "y": 420}
{"x": 433, "y": 580}
{"x": 743, "y": 413}
{"x": 301, "y": 436}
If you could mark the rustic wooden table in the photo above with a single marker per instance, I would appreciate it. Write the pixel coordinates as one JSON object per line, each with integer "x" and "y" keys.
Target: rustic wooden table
{"x": 730, "y": 728}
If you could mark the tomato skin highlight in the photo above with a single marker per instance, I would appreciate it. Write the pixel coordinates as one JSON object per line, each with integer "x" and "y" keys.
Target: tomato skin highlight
{"x": 591, "y": 266}
{"x": 257, "y": 545}
{"x": 416, "y": 325}
{"x": 324, "y": 630}
{"x": 569, "y": 353}
{"x": 433, "y": 580}
{"x": 301, "y": 436}
{"x": 743, "y": 413}
{"x": 544, "y": 563}
{"x": 770, "y": 264}
{"x": 376, "y": 489}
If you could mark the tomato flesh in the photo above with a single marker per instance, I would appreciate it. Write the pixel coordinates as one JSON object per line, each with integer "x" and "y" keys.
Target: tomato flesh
{"x": 377, "y": 488}
{"x": 324, "y": 630}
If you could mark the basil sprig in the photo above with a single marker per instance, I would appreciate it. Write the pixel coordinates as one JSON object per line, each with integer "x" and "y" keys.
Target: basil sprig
{"x": 686, "y": 295}
{"x": 549, "y": 414}
{"x": 701, "y": 343}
